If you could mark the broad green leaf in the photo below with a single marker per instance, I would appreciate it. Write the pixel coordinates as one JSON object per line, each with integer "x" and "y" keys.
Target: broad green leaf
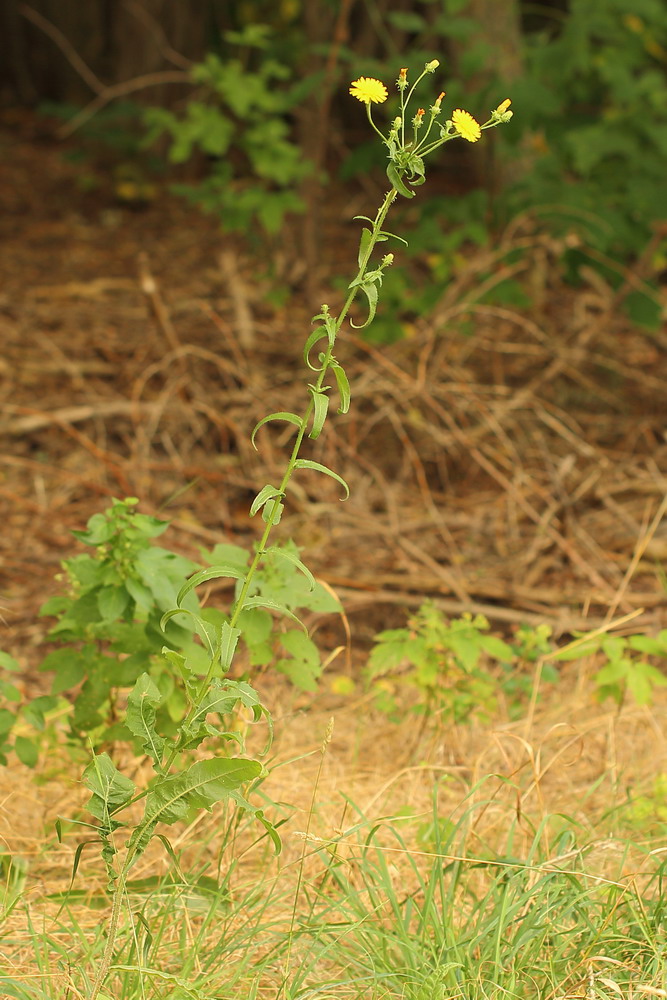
{"x": 266, "y": 494}
{"x": 496, "y": 648}
{"x": 370, "y": 290}
{"x": 204, "y": 575}
{"x": 200, "y": 787}
{"x": 7, "y": 720}
{"x": 291, "y": 418}
{"x": 304, "y": 463}
{"x": 305, "y": 666}
{"x": 321, "y": 404}
{"x": 142, "y": 701}
{"x": 8, "y": 662}
{"x": 343, "y": 386}
{"x": 26, "y": 750}
{"x": 577, "y": 652}
{"x": 112, "y": 602}
{"x": 111, "y": 789}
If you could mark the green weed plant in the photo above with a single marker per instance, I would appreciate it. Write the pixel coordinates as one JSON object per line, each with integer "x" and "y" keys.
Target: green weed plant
{"x": 452, "y": 669}
{"x": 121, "y": 596}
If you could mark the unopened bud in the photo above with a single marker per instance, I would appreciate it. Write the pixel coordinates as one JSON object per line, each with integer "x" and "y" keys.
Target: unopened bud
{"x": 502, "y": 108}
{"x": 432, "y": 66}
{"x": 438, "y": 101}
{"x": 402, "y": 81}
{"x": 387, "y": 259}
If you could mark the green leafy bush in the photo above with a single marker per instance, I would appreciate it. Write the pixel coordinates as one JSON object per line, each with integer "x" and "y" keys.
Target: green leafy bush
{"x": 443, "y": 664}
{"x": 109, "y": 634}
{"x": 240, "y": 121}
{"x": 627, "y": 669}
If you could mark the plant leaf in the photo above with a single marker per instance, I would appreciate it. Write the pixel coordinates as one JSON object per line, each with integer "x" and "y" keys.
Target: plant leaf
{"x": 305, "y": 463}
{"x": 397, "y": 182}
{"x": 266, "y": 602}
{"x": 370, "y": 290}
{"x": 111, "y": 789}
{"x": 294, "y": 560}
{"x": 321, "y": 402}
{"x": 266, "y": 493}
{"x": 200, "y": 786}
{"x": 212, "y": 573}
{"x": 291, "y": 418}
{"x": 343, "y": 386}
{"x": 142, "y": 701}
{"x": 364, "y": 244}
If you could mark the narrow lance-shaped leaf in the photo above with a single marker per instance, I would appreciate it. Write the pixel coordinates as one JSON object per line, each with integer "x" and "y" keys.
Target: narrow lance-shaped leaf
{"x": 343, "y": 387}
{"x": 321, "y": 407}
{"x": 294, "y": 560}
{"x": 266, "y": 493}
{"x": 369, "y": 288}
{"x": 364, "y": 244}
{"x": 291, "y": 418}
{"x": 229, "y": 638}
{"x": 305, "y": 463}
{"x": 266, "y": 602}
{"x": 212, "y": 573}
{"x": 142, "y": 701}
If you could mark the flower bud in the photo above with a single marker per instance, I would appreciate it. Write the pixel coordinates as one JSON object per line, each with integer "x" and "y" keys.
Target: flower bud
{"x": 402, "y": 81}
{"x": 387, "y": 259}
{"x": 432, "y": 66}
{"x": 435, "y": 110}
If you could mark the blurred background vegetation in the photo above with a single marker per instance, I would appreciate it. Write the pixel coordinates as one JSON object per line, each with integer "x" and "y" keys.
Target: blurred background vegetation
{"x": 241, "y": 106}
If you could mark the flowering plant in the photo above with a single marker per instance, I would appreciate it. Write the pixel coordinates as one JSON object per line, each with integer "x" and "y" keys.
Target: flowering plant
{"x": 406, "y": 155}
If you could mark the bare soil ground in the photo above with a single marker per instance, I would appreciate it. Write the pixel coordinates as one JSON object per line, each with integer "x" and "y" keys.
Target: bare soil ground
{"x": 519, "y": 470}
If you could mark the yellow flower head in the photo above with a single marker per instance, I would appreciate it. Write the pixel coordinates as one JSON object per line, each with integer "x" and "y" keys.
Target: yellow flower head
{"x": 369, "y": 91}
{"x": 465, "y": 125}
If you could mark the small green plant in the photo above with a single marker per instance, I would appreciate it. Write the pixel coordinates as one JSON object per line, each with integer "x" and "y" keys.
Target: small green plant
{"x": 108, "y": 633}
{"x": 444, "y": 664}
{"x": 240, "y": 122}
{"x": 628, "y": 669}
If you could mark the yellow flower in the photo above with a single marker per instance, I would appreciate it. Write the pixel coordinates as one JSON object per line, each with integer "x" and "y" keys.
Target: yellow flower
{"x": 502, "y": 108}
{"x": 465, "y": 125}
{"x": 367, "y": 90}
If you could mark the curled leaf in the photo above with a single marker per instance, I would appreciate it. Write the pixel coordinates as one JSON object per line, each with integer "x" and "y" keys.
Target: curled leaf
{"x": 305, "y": 463}
{"x": 369, "y": 288}
{"x": 291, "y": 418}
{"x": 396, "y": 181}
